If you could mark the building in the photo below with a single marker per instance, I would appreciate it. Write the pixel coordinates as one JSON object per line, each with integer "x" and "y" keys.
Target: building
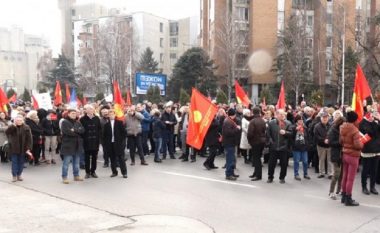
{"x": 265, "y": 20}
{"x": 168, "y": 39}
{"x": 19, "y": 56}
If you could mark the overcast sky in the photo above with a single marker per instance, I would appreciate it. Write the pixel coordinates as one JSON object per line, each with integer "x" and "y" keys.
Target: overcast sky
{"x": 42, "y": 17}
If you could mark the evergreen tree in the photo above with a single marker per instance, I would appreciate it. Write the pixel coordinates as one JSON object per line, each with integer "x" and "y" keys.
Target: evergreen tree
{"x": 10, "y": 93}
{"x": 193, "y": 69}
{"x": 147, "y": 63}
{"x": 26, "y": 95}
{"x": 221, "y": 97}
{"x": 184, "y": 98}
{"x": 63, "y": 72}
{"x": 99, "y": 96}
{"x": 154, "y": 94}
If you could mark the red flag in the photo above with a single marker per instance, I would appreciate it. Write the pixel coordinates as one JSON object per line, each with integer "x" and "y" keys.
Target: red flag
{"x": 57, "y": 94}
{"x": 84, "y": 101}
{"x": 13, "y": 98}
{"x": 35, "y": 103}
{"x": 3, "y": 101}
{"x": 201, "y": 115}
{"x": 129, "y": 99}
{"x": 67, "y": 93}
{"x": 281, "y": 98}
{"x": 361, "y": 92}
{"x": 118, "y": 100}
{"x": 241, "y": 96}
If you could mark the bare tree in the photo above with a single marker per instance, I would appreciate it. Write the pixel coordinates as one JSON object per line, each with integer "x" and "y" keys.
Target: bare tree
{"x": 295, "y": 50}
{"x": 231, "y": 47}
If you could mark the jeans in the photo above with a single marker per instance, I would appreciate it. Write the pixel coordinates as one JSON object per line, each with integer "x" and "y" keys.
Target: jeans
{"x": 74, "y": 159}
{"x": 230, "y": 160}
{"x": 90, "y": 161}
{"x": 17, "y": 164}
{"x": 350, "y": 166}
{"x": 337, "y": 178}
{"x": 297, "y": 157}
{"x": 157, "y": 148}
{"x": 369, "y": 170}
{"x": 167, "y": 143}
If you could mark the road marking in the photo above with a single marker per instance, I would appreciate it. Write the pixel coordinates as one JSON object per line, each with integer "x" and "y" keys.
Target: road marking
{"x": 209, "y": 179}
{"x": 338, "y": 199}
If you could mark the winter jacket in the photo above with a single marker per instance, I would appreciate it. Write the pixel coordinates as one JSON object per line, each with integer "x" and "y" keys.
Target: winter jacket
{"x": 72, "y": 142}
{"x": 36, "y": 130}
{"x": 92, "y": 132}
{"x": 334, "y": 143}
{"x": 119, "y": 135}
{"x": 230, "y": 133}
{"x": 300, "y": 139}
{"x": 145, "y": 122}
{"x": 320, "y": 134}
{"x": 158, "y": 127}
{"x": 50, "y": 127}
{"x": 278, "y": 142}
{"x": 350, "y": 139}
{"x": 257, "y": 131}
{"x": 373, "y": 130}
{"x": 244, "y": 131}
{"x": 171, "y": 118}
{"x": 212, "y": 135}
{"x": 133, "y": 124}
{"x": 20, "y": 139}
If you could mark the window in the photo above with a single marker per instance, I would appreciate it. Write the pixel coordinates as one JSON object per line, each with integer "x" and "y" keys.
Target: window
{"x": 309, "y": 43}
{"x": 161, "y": 57}
{"x": 329, "y": 42}
{"x": 328, "y": 64}
{"x": 161, "y": 42}
{"x": 310, "y": 20}
{"x": 329, "y": 18}
{"x": 173, "y": 58}
{"x": 161, "y": 27}
{"x": 242, "y": 13}
{"x": 173, "y": 42}
{"x": 241, "y": 60}
{"x": 173, "y": 28}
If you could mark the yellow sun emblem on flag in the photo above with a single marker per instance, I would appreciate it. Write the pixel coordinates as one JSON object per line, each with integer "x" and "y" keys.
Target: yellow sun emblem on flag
{"x": 197, "y": 116}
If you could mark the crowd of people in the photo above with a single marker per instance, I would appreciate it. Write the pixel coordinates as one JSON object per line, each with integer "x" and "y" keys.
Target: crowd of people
{"x": 326, "y": 139}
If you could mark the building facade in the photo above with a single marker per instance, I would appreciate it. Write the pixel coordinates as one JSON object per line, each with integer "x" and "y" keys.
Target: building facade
{"x": 265, "y": 21}
{"x": 19, "y": 57}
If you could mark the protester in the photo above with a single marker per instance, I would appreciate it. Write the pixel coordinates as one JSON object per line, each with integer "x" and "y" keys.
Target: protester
{"x": 212, "y": 142}
{"x": 32, "y": 121}
{"x": 158, "y": 127}
{"x": 245, "y": 147}
{"x": 91, "y": 140}
{"x": 352, "y": 145}
{"x": 301, "y": 140}
{"x": 113, "y": 138}
{"x": 279, "y": 133}
{"x": 72, "y": 145}
{"x": 51, "y": 130}
{"x": 371, "y": 151}
{"x": 103, "y": 120}
{"x": 145, "y": 127}
{"x": 323, "y": 148}
{"x": 170, "y": 121}
{"x": 20, "y": 139}
{"x": 4, "y": 145}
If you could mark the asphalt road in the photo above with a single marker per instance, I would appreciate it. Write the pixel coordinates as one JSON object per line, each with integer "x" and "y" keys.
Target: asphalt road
{"x": 178, "y": 197}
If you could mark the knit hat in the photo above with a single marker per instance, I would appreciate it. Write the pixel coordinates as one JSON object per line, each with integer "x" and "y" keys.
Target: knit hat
{"x": 231, "y": 112}
{"x": 352, "y": 117}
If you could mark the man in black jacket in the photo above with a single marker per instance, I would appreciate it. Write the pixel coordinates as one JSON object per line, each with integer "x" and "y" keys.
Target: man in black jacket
{"x": 230, "y": 135}
{"x": 371, "y": 151}
{"x": 91, "y": 139}
{"x": 323, "y": 148}
{"x": 212, "y": 141}
{"x": 279, "y": 134}
{"x": 170, "y": 121}
{"x": 113, "y": 138}
{"x": 257, "y": 139}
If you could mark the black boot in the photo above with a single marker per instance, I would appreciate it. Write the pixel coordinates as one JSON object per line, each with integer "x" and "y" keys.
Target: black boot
{"x": 374, "y": 191}
{"x": 350, "y": 202}
{"x": 343, "y": 200}
{"x": 365, "y": 191}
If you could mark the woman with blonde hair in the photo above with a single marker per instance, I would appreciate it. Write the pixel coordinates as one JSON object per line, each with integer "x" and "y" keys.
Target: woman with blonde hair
{"x": 32, "y": 121}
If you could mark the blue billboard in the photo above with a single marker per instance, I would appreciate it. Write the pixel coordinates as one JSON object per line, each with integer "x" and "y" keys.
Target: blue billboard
{"x": 144, "y": 81}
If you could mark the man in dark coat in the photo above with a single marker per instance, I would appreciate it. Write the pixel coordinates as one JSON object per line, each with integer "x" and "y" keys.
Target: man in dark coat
{"x": 72, "y": 145}
{"x": 279, "y": 134}
{"x": 91, "y": 140}
{"x": 113, "y": 138}
{"x": 257, "y": 138}
{"x": 212, "y": 142}
{"x": 170, "y": 121}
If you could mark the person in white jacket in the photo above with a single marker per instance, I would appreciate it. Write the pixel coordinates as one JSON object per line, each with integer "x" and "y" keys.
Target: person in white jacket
{"x": 244, "y": 145}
